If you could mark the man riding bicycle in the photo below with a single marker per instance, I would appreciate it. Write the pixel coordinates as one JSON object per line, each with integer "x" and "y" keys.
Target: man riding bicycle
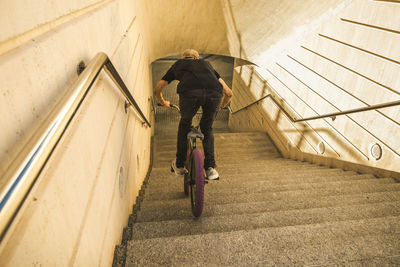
{"x": 199, "y": 86}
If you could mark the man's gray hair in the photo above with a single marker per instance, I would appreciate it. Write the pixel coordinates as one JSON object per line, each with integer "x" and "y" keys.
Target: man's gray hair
{"x": 190, "y": 53}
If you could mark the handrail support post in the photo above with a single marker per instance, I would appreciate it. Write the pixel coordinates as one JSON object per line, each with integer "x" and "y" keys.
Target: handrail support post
{"x": 126, "y": 106}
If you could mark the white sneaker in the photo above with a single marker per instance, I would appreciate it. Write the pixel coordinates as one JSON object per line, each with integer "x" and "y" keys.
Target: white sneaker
{"x": 176, "y": 170}
{"x": 212, "y": 174}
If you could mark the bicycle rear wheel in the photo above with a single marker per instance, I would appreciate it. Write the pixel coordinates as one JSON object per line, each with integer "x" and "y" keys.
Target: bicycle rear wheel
{"x": 197, "y": 183}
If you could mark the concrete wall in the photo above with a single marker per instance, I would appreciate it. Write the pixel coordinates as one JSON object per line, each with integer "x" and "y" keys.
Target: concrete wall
{"x": 346, "y": 58}
{"x": 176, "y": 25}
{"x": 78, "y": 207}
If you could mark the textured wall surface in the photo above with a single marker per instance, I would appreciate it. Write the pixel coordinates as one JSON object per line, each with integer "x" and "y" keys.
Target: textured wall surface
{"x": 77, "y": 210}
{"x": 349, "y": 60}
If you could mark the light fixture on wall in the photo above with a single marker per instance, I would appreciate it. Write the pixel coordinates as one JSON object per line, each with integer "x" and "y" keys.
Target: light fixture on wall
{"x": 375, "y": 151}
{"x": 321, "y": 147}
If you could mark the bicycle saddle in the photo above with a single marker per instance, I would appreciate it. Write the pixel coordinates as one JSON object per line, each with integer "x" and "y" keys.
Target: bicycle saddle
{"x": 195, "y": 133}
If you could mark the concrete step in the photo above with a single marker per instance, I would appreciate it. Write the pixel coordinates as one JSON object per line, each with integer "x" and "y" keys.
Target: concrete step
{"x": 181, "y": 210}
{"x": 246, "y": 136}
{"x": 218, "y": 145}
{"x": 224, "y": 152}
{"x": 319, "y": 244}
{"x": 164, "y": 175}
{"x": 284, "y": 195}
{"x": 234, "y": 157}
{"x": 228, "y": 184}
{"x": 205, "y": 225}
{"x": 212, "y": 192}
{"x": 225, "y": 160}
{"x": 221, "y": 138}
{"x": 262, "y": 165}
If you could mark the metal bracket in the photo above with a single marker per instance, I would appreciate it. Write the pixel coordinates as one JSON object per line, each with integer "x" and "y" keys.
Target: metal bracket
{"x": 81, "y": 67}
{"x": 127, "y": 105}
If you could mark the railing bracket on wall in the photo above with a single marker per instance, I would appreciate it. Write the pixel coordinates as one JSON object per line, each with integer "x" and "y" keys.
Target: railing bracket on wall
{"x": 127, "y": 105}
{"x": 81, "y": 67}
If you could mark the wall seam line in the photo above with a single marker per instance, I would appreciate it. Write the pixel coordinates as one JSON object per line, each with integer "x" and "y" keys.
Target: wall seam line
{"x": 359, "y": 48}
{"x": 351, "y": 70}
{"x": 370, "y": 25}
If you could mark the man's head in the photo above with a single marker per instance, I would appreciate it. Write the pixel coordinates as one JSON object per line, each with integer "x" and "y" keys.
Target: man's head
{"x": 190, "y": 53}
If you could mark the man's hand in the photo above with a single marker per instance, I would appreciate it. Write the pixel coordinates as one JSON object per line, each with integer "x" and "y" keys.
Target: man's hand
{"x": 227, "y": 94}
{"x": 167, "y": 104}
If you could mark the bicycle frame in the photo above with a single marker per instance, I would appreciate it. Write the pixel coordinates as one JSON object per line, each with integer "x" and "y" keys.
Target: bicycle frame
{"x": 192, "y": 178}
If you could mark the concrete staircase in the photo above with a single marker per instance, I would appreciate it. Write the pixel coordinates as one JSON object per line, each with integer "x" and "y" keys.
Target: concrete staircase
{"x": 265, "y": 210}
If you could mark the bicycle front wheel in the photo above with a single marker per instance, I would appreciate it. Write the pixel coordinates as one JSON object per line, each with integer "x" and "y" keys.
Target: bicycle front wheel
{"x": 197, "y": 183}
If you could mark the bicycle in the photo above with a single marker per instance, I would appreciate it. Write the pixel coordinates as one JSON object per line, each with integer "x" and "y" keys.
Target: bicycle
{"x": 194, "y": 179}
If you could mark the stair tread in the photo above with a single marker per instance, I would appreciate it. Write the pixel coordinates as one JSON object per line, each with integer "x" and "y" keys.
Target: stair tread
{"x": 242, "y": 160}
{"x": 211, "y": 193}
{"x": 238, "y": 179}
{"x": 238, "y": 222}
{"x": 176, "y": 185}
{"x": 220, "y": 135}
{"x": 288, "y": 194}
{"x": 322, "y": 244}
{"x": 257, "y": 168}
{"x": 181, "y": 210}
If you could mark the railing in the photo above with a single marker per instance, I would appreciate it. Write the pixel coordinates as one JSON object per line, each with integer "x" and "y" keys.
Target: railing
{"x": 19, "y": 177}
{"x": 329, "y": 115}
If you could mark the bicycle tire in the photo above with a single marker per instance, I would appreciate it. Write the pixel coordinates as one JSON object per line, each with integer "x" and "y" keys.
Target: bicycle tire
{"x": 197, "y": 186}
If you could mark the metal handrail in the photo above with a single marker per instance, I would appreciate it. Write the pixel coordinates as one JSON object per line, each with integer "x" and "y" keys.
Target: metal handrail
{"x": 245, "y": 107}
{"x": 328, "y": 115}
{"x": 21, "y": 174}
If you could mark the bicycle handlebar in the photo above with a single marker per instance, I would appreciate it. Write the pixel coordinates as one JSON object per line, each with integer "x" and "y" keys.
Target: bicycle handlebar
{"x": 177, "y": 108}
{"x": 171, "y": 105}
